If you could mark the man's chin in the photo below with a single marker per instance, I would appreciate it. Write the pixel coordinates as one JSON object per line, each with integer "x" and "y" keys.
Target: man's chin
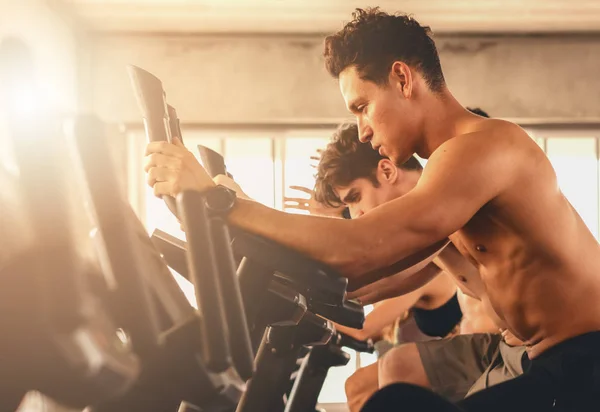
{"x": 399, "y": 160}
{"x": 395, "y": 160}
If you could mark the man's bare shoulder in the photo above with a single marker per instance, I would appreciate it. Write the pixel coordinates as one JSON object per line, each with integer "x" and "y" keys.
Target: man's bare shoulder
{"x": 486, "y": 140}
{"x": 502, "y": 131}
{"x": 472, "y": 160}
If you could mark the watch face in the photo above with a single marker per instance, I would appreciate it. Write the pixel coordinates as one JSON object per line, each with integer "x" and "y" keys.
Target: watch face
{"x": 221, "y": 199}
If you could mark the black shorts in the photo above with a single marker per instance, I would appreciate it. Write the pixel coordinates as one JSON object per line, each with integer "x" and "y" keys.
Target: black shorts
{"x": 564, "y": 378}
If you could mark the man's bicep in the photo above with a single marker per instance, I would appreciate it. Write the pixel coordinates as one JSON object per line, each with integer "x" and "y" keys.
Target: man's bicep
{"x": 457, "y": 181}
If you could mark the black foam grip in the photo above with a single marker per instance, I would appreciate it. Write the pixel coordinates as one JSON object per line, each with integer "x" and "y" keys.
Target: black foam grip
{"x": 355, "y": 344}
{"x": 204, "y": 275}
{"x": 152, "y": 102}
{"x": 212, "y": 161}
{"x": 239, "y": 337}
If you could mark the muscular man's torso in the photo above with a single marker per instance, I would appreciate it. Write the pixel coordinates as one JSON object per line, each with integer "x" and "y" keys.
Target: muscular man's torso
{"x": 539, "y": 266}
{"x": 476, "y": 318}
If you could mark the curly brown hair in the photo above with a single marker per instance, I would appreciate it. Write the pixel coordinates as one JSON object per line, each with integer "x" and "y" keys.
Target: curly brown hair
{"x": 346, "y": 159}
{"x": 374, "y": 40}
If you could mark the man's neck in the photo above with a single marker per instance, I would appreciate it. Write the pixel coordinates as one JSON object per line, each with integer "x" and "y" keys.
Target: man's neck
{"x": 405, "y": 185}
{"x": 445, "y": 118}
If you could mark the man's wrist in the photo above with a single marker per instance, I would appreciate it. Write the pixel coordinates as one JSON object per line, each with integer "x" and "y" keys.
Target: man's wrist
{"x": 210, "y": 186}
{"x": 219, "y": 200}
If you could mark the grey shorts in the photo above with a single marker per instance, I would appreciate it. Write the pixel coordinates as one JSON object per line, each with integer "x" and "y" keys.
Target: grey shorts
{"x": 461, "y": 365}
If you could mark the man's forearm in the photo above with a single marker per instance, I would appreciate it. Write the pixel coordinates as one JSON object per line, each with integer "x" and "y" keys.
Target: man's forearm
{"x": 331, "y": 241}
{"x": 387, "y": 312}
{"x": 348, "y": 246}
{"x": 358, "y": 334}
{"x": 407, "y": 267}
{"x": 395, "y": 285}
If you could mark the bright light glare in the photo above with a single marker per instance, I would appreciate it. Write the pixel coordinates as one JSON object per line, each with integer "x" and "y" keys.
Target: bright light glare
{"x": 26, "y": 102}
{"x": 7, "y": 159}
{"x": 21, "y": 94}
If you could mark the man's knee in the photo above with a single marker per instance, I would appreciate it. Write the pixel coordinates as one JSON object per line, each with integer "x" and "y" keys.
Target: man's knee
{"x": 402, "y": 364}
{"x": 364, "y": 379}
{"x": 353, "y": 384}
{"x": 399, "y": 360}
{"x": 360, "y": 386}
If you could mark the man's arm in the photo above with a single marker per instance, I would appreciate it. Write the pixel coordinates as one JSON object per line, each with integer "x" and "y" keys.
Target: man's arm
{"x": 382, "y": 315}
{"x": 396, "y": 285}
{"x": 475, "y": 318}
{"x": 451, "y": 260}
{"x": 461, "y": 176}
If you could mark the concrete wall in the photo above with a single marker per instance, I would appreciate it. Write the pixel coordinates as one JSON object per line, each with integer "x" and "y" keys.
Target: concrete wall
{"x": 235, "y": 79}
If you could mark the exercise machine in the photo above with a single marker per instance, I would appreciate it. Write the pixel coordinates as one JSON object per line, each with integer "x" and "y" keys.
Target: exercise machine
{"x": 197, "y": 360}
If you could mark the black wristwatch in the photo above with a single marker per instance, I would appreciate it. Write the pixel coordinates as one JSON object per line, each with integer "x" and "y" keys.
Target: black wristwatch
{"x": 219, "y": 200}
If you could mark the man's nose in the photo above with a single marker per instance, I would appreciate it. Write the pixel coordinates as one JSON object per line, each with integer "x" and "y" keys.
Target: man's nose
{"x": 365, "y": 133}
{"x": 359, "y": 213}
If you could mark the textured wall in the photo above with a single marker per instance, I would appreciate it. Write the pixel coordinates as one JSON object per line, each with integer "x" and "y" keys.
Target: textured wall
{"x": 273, "y": 79}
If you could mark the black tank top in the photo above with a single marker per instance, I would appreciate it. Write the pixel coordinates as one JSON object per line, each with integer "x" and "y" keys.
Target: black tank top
{"x": 439, "y": 321}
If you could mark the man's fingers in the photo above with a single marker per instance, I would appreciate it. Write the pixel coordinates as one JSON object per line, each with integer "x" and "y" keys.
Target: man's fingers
{"x": 298, "y": 206}
{"x": 161, "y": 160}
{"x": 295, "y": 199}
{"x": 169, "y": 149}
{"x": 160, "y": 174}
{"x": 163, "y": 189}
{"x": 318, "y": 155}
{"x": 302, "y": 189}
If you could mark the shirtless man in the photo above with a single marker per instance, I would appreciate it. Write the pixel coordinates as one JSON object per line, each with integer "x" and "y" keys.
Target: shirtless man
{"x": 356, "y": 176}
{"x": 487, "y": 186}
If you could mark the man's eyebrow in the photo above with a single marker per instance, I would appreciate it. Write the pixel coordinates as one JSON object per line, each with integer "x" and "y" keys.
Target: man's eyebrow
{"x": 350, "y": 194}
{"x": 353, "y": 105}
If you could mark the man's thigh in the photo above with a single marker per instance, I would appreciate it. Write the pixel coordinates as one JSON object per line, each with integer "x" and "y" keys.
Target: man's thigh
{"x": 453, "y": 365}
{"x": 361, "y": 385}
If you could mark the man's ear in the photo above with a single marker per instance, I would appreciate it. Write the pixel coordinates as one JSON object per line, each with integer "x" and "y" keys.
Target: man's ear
{"x": 401, "y": 78}
{"x": 388, "y": 171}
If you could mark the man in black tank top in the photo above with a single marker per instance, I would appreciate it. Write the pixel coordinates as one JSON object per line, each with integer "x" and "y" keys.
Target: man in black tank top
{"x": 439, "y": 321}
